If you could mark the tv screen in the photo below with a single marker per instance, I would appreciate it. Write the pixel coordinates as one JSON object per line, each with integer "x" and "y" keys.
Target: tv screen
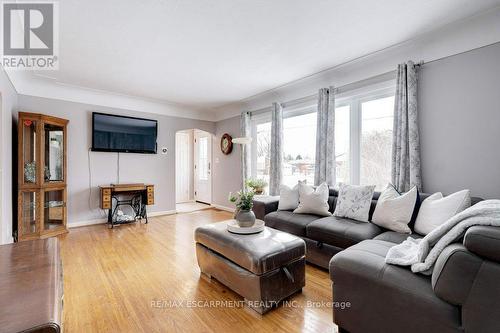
{"x": 123, "y": 134}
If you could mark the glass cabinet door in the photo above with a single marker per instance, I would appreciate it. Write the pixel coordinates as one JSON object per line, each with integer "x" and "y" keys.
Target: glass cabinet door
{"x": 54, "y": 153}
{"x": 29, "y": 212}
{"x": 53, "y": 209}
{"x": 29, "y": 153}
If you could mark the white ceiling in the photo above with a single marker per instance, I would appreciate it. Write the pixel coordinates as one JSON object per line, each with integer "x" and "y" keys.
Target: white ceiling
{"x": 205, "y": 54}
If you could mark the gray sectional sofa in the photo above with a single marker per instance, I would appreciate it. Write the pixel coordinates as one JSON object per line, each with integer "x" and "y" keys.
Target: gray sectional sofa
{"x": 462, "y": 295}
{"x": 323, "y": 237}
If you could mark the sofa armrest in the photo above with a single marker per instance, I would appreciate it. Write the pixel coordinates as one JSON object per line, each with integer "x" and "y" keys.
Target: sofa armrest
{"x": 463, "y": 278}
{"x": 484, "y": 241}
{"x": 263, "y": 205}
{"x": 454, "y": 273}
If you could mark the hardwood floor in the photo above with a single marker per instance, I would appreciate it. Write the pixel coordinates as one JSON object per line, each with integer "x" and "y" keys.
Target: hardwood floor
{"x": 128, "y": 279}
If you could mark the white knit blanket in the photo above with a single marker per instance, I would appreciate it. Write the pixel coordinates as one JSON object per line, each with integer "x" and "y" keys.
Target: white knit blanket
{"x": 421, "y": 254}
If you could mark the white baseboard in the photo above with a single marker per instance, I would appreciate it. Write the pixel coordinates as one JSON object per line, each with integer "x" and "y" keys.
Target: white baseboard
{"x": 161, "y": 213}
{"x": 86, "y": 223}
{"x": 9, "y": 240}
{"x": 187, "y": 201}
{"x": 104, "y": 220}
{"x": 227, "y": 209}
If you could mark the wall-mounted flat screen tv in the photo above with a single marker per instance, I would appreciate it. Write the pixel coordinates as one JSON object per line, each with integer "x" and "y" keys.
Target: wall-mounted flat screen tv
{"x": 122, "y": 134}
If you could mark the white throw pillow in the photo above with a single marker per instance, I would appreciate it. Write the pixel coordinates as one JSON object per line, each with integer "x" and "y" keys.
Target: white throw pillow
{"x": 289, "y": 197}
{"x": 313, "y": 201}
{"x": 394, "y": 210}
{"x": 436, "y": 209}
{"x": 354, "y": 201}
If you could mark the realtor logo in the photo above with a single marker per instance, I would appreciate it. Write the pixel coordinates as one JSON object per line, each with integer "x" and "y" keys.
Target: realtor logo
{"x": 30, "y": 35}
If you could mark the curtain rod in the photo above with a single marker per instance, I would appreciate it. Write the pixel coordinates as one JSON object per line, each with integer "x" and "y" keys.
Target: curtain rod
{"x": 455, "y": 54}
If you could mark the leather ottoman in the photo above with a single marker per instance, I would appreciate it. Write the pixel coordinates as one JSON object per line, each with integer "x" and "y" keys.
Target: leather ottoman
{"x": 264, "y": 268}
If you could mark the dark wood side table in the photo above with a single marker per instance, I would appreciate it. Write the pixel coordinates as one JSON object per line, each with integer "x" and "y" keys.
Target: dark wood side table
{"x": 31, "y": 286}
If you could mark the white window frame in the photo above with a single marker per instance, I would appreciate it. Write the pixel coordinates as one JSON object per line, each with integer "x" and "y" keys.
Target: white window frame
{"x": 353, "y": 99}
{"x": 289, "y": 111}
{"x": 256, "y": 120}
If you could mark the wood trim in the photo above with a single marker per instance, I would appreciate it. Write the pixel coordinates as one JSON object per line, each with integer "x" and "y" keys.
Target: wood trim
{"x": 54, "y": 232}
{"x": 40, "y": 166}
{"x": 20, "y": 155}
{"x": 29, "y": 115}
{"x": 22, "y": 235}
{"x": 42, "y": 117}
{"x": 107, "y": 191}
{"x": 129, "y": 188}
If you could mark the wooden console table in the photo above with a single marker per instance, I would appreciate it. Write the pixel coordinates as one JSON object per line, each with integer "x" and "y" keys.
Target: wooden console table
{"x": 142, "y": 195}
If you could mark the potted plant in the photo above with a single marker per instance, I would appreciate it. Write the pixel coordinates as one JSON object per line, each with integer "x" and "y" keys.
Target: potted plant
{"x": 257, "y": 185}
{"x": 243, "y": 200}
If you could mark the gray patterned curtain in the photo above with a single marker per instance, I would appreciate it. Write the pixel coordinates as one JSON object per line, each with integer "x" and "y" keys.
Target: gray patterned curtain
{"x": 245, "y": 151}
{"x": 325, "y": 138}
{"x": 406, "y": 142}
{"x": 276, "y": 163}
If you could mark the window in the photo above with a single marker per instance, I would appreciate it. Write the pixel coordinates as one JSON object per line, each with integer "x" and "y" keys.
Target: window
{"x": 363, "y": 139}
{"x": 203, "y": 158}
{"x": 342, "y": 143}
{"x": 261, "y": 150}
{"x": 376, "y": 141}
{"x": 299, "y": 147}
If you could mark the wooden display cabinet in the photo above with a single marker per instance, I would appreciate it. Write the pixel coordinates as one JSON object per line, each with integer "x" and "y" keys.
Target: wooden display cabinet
{"x": 42, "y": 165}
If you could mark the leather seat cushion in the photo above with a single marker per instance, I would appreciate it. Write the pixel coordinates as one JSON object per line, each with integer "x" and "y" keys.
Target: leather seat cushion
{"x": 396, "y": 237}
{"x": 388, "y": 293}
{"x": 341, "y": 232}
{"x": 287, "y": 221}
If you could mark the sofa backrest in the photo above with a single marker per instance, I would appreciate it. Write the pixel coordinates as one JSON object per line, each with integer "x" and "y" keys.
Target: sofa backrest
{"x": 332, "y": 201}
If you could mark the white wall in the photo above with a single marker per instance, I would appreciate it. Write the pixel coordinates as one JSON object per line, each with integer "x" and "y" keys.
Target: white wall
{"x": 156, "y": 169}
{"x": 9, "y": 105}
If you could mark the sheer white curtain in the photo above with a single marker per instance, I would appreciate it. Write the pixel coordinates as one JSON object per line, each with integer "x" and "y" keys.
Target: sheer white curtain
{"x": 276, "y": 163}
{"x": 325, "y": 138}
{"x": 406, "y": 171}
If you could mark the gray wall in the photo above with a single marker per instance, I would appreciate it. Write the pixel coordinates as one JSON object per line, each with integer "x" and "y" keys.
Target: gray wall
{"x": 459, "y": 118}
{"x": 459, "y": 104}
{"x": 156, "y": 169}
{"x": 227, "y": 168}
{"x": 8, "y": 107}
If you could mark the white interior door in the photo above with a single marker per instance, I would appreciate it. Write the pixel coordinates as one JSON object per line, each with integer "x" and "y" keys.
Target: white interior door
{"x": 183, "y": 162}
{"x": 203, "y": 167}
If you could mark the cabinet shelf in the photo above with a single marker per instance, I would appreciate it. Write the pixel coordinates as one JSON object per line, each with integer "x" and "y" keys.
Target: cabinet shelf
{"x": 42, "y": 197}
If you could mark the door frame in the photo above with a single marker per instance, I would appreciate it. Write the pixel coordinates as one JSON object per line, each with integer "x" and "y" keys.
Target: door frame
{"x": 190, "y": 163}
{"x": 196, "y": 136}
